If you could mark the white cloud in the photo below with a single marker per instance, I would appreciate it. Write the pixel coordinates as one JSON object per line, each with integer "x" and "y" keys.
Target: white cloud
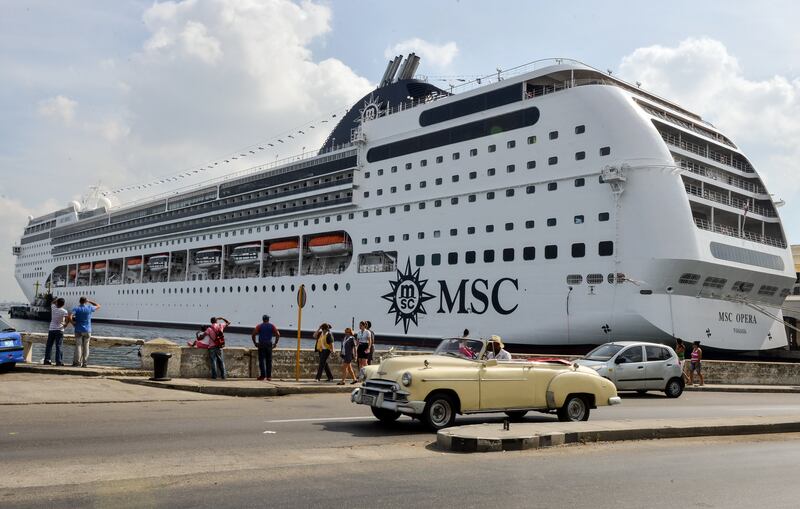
{"x": 761, "y": 116}
{"x": 60, "y": 108}
{"x": 198, "y": 43}
{"x": 434, "y": 55}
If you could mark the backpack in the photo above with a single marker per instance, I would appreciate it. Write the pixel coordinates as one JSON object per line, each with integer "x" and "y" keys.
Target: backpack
{"x": 220, "y": 339}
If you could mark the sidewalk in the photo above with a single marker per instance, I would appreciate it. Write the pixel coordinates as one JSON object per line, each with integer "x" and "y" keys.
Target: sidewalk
{"x": 242, "y": 387}
{"x": 520, "y": 436}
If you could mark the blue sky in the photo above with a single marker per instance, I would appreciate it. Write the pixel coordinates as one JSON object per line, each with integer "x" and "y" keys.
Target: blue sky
{"x": 124, "y": 92}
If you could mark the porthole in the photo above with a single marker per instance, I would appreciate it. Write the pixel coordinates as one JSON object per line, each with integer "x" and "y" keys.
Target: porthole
{"x": 283, "y": 288}
{"x": 324, "y": 287}
{"x": 313, "y": 287}
{"x": 335, "y": 287}
{"x": 347, "y": 287}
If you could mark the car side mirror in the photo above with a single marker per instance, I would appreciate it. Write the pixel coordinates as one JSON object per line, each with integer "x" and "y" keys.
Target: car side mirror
{"x": 490, "y": 363}
{"x": 620, "y": 360}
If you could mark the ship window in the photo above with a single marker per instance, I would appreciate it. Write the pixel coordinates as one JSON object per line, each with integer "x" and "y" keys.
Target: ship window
{"x": 488, "y": 255}
{"x": 551, "y": 252}
{"x": 469, "y": 257}
{"x": 580, "y": 129}
{"x": 785, "y": 293}
{"x": 392, "y": 210}
{"x": 394, "y": 169}
{"x": 509, "y": 226}
{"x": 511, "y": 144}
{"x": 510, "y": 168}
{"x": 531, "y": 165}
{"x": 688, "y": 278}
{"x": 580, "y": 182}
{"x": 408, "y": 166}
{"x": 742, "y": 287}
{"x": 552, "y": 160}
{"x": 552, "y": 186}
{"x": 405, "y": 236}
{"x": 366, "y": 174}
{"x": 767, "y": 290}
{"x": 453, "y": 201}
{"x": 605, "y": 248}
{"x": 530, "y": 189}
{"x": 508, "y": 254}
{"x": 438, "y": 181}
{"x": 454, "y": 178}
{"x": 529, "y": 224}
{"x": 491, "y": 148}
{"x": 553, "y": 135}
{"x": 604, "y": 151}
{"x": 437, "y": 234}
{"x": 421, "y": 235}
{"x": 377, "y": 240}
{"x": 580, "y": 156}
{"x": 594, "y": 279}
{"x": 509, "y": 193}
{"x": 380, "y": 192}
{"x": 578, "y": 250}
{"x": 603, "y": 216}
{"x": 490, "y": 172}
{"x": 406, "y": 207}
{"x": 421, "y": 205}
{"x": 380, "y": 172}
{"x": 439, "y": 159}
{"x": 436, "y": 259}
{"x": 551, "y": 221}
{"x": 578, "y": 219}
{"x": 453, "y": 232}
{"x": 419, "y": 261}
{"x": 473, "y": 152}
{"x": 490, "y": 195}
{"x": 452, "y": 258}
{"x": 365, "y": 214}
{"x": 531, "y": 140}
{"x": 366, "y": 195}
{"x": 470, "y": 230}
{"x": 471, "y": 198}
{"x": 574, "y": 279}
{"x": 456, "y": 156}
{"x": 528, "y": 253}
{"x": 391, "y": 238}
{"x": 715, "y": 282}
{"x": 423, "y": 162}
{"x": 407, "y": 187}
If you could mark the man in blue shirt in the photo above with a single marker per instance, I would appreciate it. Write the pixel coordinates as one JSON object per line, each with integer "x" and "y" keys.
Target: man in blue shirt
{"x": 265, "y": 332}
{"x": 82, "y": 318}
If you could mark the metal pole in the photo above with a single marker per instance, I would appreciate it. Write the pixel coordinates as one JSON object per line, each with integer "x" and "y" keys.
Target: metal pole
{"x": 297, "y": 355}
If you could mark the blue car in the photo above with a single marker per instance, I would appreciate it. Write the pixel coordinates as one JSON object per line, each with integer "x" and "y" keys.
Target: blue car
{"x": 10, "y": 347}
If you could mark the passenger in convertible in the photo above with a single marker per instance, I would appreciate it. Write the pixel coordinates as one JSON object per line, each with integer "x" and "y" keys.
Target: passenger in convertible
{"x": 496, "y": 349}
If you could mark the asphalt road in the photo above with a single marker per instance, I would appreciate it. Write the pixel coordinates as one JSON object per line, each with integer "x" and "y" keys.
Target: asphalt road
{"x": 320, "y": 450}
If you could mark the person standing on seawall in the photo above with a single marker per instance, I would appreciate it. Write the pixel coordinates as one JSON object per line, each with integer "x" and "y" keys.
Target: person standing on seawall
{"x": 215, "y": 334}
{"x": 324, "y": 347}
{"x": 82, "y": 318}
{"x": 265, "y": 331}
{"x": 60, "y": 318}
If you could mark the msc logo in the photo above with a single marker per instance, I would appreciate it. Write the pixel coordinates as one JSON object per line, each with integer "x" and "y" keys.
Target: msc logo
{"x": 408, "y": 297}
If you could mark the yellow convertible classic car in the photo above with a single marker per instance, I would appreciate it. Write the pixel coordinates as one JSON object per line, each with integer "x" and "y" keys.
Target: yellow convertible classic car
{"x": 459, "y": 379}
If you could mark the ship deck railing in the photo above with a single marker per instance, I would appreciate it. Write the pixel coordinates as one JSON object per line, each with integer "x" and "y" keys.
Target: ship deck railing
{"x": 721, "y": 176}
{"x": 734, "y": 232}
{"x": 707, "y": 152}
{"x": 731, "y": 201}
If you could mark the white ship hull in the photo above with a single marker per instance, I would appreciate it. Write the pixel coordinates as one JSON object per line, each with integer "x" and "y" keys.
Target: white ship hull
{"x": 626, "y": 248}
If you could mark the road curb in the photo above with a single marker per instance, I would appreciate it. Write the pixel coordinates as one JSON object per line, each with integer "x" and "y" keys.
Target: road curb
{"x": 220, "y": 389}
{"x": 492, "y": 438}
{"x": 71, "y": 370}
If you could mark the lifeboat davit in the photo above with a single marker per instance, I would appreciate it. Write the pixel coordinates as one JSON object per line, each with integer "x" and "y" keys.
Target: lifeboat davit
{"x": 284, "y": 249}
{"x": 208, "y": 258}
{"x": 134, "y": 263}
{"x": 246, "y": 254}
{"x": 99, "y": 267}
{"x": 84, "y": 268}
{"x": 329, "y": 244}
{"x": 158, "y": 263}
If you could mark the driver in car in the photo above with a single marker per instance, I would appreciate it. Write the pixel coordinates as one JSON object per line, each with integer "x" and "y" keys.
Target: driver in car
{"x": 496, "y": 349}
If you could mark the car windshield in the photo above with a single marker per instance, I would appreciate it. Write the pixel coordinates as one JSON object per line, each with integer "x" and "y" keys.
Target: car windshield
{"x": 603, "y": 352}
{"x": 459, "y": 347}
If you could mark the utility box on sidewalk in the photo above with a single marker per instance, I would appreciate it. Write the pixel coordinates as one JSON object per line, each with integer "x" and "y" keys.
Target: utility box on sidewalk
{"x": 161, "y": 345}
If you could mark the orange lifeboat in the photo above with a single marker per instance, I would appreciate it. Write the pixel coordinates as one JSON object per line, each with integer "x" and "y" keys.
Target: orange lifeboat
{"x": 84, "y": 268}
{"x": 134, "y": 263}
{"x": 331, "y": 244}
{"x": 99, "y": 267}
{"x": 284, "y": 249}
{"x": 158, "y": 263}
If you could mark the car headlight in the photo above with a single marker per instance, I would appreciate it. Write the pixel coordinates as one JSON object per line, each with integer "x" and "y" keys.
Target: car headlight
{"x": 406, "y": 379}
{"x": 362, "y": 374}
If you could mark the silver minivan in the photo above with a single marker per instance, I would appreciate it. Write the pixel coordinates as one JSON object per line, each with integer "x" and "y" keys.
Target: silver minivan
{"x": 638, "y": 366}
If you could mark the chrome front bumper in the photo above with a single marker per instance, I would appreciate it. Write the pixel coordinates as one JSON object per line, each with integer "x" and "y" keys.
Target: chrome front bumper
{"x": 363, "y": 396}
{"x": 614, "y": 400}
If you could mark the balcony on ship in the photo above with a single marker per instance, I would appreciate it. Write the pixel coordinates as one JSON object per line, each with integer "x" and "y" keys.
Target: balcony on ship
{"x": 734, "y": 224}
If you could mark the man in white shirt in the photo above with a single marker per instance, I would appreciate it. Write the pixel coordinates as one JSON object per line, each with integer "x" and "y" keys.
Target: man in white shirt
{"x": 59, "y": 318}
{"x": 496, "y": 349}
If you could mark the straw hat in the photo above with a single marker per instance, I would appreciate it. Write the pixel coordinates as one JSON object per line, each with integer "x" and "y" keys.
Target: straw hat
{"x": 497, "y": 339}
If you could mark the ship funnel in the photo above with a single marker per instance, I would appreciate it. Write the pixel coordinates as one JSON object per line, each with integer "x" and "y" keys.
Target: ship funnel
{"x": 404, "y": 70}
{"x": 412, "y": 67}
{"x": 391, "y": 70}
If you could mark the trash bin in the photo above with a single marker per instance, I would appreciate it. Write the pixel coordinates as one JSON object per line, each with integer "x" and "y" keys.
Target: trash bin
{"x": 160, "y": 364}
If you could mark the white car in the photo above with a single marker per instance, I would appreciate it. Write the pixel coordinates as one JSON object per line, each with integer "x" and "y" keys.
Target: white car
{"x": 638, "y": 366}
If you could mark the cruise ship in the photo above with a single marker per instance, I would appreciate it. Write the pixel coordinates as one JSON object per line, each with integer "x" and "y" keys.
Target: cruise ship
{"x": 553, "y": 204}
